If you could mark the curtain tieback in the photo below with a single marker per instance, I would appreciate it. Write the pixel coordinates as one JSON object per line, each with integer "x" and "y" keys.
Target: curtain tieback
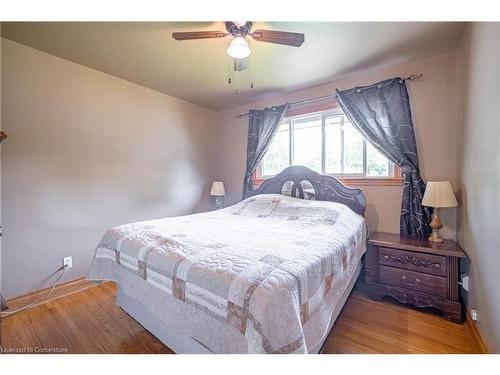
{"x": 406, "y": 169}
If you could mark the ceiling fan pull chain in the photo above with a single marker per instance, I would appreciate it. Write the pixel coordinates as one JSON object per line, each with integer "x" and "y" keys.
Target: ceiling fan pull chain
{"x": 237, "y": 83}
{"x": 251, "y": 71}
{"x": 229, "y": 62}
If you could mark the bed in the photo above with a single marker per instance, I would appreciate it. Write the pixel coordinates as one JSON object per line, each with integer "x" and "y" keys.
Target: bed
{"x": 267, "y": 275}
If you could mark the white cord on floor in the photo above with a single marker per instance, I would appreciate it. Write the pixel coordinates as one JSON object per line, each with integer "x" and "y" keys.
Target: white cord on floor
{"x": 9, "y": 313}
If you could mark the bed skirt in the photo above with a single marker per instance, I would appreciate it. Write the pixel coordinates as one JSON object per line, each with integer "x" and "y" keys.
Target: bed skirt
{"x": 181, "y": 343}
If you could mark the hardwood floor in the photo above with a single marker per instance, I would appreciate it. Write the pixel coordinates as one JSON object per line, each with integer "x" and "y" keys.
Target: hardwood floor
{"x": 84, "y": 322}
{"x": 388, "y": 327}
{"x": 90, "y": 322}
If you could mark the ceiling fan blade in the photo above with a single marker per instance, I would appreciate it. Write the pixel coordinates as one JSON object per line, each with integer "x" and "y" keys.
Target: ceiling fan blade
{"x": 279, "y": 37}
{"x": 198, "y": 35}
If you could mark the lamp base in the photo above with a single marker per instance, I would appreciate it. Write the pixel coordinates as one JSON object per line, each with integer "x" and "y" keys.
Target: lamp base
{"x": 436, "y": 225}
{"x": 434, "y": 237}
{"x": 219, "y": 202}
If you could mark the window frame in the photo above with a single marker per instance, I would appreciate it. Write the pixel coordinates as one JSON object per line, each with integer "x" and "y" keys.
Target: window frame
{"x": 349, "y": 179}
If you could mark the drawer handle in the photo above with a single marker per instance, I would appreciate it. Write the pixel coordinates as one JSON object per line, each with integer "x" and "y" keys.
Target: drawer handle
{"x": 417, "y": 281}
{"x": 386, "y": 256}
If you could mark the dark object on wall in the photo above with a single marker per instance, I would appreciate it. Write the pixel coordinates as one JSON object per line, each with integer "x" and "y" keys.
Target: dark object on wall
{"x": 381, "y": 112}
{"x": 3, "y": 304}
{"x": 262, "y": 126}
{"x": 414, "y": 271}
{"x": 301, "y": 182}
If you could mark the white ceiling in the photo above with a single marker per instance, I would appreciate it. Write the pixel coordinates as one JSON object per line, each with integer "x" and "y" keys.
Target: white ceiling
{"x": 197, "y": 71}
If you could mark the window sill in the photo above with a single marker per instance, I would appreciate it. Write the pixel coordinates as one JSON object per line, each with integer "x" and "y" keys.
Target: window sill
{"x": 388, "y": 181}
{"x": 353, "y": 182}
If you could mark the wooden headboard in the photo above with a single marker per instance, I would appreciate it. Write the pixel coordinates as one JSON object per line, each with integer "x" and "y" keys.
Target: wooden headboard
{"x": 302, "y": 182}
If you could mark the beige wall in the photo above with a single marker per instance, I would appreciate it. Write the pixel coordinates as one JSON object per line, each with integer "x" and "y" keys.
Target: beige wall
{"x": 87, "y": 151}
{"x": 434, "y": 106}
{"x": 479, "y": 171}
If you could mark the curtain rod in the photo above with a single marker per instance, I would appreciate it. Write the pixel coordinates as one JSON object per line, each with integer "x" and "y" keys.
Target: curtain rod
{"x": 411, "y": 77}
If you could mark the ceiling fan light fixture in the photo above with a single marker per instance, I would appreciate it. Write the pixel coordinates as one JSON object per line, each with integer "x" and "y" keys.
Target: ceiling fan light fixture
{"x": 239, "y": 48}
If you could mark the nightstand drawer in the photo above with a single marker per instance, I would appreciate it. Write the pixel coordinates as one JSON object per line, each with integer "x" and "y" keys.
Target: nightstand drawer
{"x": 413, "y": 280}
{"x": 409, "y": 260}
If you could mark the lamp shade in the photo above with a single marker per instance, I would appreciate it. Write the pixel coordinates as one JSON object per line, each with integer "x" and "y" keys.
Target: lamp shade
{"x": 218, "y": 189}
{"x": 439, "y": 194}
{"x": 238, "y": 49}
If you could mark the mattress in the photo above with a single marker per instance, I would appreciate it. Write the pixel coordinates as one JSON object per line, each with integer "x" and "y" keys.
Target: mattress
{"x": 262, "y": 276}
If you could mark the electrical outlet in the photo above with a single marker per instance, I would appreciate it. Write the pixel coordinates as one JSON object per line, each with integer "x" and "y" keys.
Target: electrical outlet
{"x": 474, "y": 314}
{"x": 67, "y": 262}
{"x": 465, "y": 282}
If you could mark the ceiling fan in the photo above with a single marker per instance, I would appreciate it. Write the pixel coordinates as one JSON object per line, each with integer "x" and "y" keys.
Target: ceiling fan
{"x": 239, "y": 48}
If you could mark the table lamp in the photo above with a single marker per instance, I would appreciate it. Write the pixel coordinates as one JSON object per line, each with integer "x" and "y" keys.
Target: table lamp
{"x": 438, "y": 194}
{"x": 218, "y": 192}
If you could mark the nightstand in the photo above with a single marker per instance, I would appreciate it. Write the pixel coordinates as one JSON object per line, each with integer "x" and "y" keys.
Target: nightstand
{"x": 414, "y": 271}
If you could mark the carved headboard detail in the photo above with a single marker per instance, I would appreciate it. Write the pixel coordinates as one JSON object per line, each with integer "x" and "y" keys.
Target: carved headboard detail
{"x": 302, "y": 182}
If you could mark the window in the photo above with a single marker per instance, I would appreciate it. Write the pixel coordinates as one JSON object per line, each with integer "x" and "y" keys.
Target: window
{"x": 328, "y": 143}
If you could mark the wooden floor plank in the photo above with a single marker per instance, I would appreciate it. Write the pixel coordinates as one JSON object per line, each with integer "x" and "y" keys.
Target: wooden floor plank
{"x": 90, "y": 322}
{"x": 105, "y": 327}
{"x": 99, "y": 343}
{"x": 47, "y": 328}
{"x": 82, "y": 341}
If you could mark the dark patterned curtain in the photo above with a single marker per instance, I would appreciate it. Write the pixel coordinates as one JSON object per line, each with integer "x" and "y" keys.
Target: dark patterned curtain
{"x": 262, "y": 127}
{"x": 381, "y": 112}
